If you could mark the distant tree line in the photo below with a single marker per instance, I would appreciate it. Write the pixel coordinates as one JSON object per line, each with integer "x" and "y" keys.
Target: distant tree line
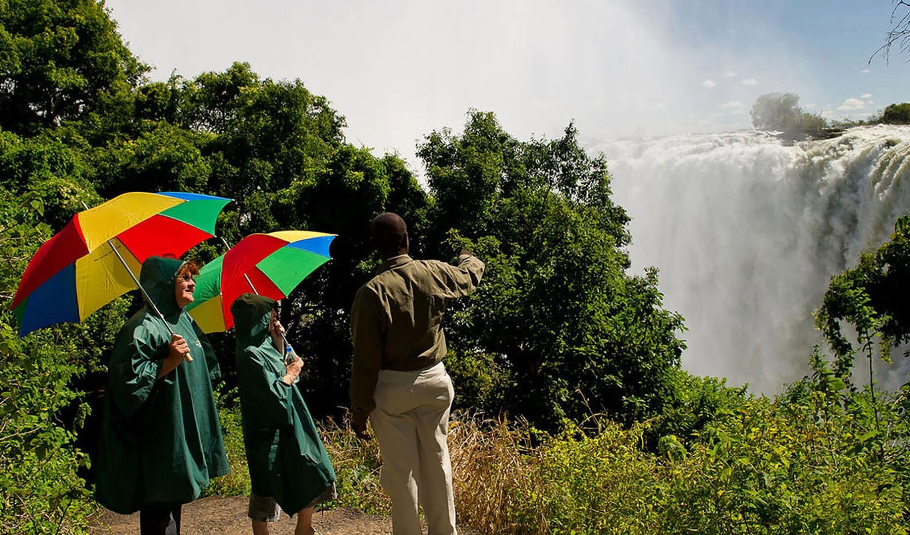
{"x": 780, "y": 112}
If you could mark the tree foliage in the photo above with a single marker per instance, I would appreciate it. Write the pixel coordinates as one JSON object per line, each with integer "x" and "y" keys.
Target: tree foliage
{"x": 41, "y": 409}
{"x": 871, "y": 298}
{"x": 558, "y": 325}
{"x": 896, "y": 114}
{"x": 59, "y": 61}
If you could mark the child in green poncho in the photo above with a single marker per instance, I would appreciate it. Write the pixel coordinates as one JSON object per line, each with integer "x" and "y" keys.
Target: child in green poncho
{"x": 289, "y": 467}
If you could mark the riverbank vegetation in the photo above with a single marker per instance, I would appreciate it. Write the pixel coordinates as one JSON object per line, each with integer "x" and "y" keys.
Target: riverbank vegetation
{"x": 573, "y": 414}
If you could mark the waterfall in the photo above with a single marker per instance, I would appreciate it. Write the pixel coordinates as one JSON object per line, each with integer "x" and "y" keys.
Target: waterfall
{"x": 747, "y": 231}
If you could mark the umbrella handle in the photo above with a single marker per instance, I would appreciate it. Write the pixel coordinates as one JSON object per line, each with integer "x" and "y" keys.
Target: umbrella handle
{"x": 171, "y": 331}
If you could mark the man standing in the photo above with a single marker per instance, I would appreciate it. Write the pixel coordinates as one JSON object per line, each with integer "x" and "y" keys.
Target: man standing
{"x": 160, "y": 436}
{"x": 398, "y": 379}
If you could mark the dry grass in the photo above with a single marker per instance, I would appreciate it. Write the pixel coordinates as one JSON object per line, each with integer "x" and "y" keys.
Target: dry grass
{"x": 757, "y": 470}
{"x": 490, "y": 465}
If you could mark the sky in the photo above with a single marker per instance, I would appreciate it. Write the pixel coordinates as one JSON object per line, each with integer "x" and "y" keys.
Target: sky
{"x": 400, "y": 69}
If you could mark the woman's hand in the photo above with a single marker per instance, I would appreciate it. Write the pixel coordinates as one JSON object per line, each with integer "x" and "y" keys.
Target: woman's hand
{"x": 292, "y": 370}
{"x": 277, "y": 332}
{"x": 177, "y": 352}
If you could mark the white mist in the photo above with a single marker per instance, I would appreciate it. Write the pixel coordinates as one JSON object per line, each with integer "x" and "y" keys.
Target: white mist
{"x": 747, "y": 231}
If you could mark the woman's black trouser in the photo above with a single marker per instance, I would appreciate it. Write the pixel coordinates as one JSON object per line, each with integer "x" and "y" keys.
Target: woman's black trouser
{"x": 160, "y": 520}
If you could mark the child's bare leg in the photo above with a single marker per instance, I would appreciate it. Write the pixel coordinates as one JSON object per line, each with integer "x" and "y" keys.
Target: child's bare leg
{"x": 305, "y": 522}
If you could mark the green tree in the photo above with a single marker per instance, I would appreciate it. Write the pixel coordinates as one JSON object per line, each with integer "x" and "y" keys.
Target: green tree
{"x": 557, "y": 320}
{"x": 896, "y": 114}
{"x": 163, "y": 158}
{"x": 42, "y": 407}
{"x": 52, "y": 167}
{"x": 341, "y": 198}
{"x": 870, "y": 298}
{"x": 60, "y": 60}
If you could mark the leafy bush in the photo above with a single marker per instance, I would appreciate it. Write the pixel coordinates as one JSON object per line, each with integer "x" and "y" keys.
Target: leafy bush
{"x": 810, "y": 461}
{"x": 40, "y": 411}
{"x": 695, "y": 403}
{"x": 896, "y": 114}
{"x": 356, "y": 465}
{"x": 237, "y": 483}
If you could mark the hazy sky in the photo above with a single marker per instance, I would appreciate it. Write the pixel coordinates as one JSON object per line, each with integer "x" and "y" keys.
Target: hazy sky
{"x": 398, "y": 69}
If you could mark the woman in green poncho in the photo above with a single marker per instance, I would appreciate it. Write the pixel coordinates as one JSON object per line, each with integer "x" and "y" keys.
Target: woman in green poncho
{"x": 289, "y": 468}
{"x": 160, "y": 435}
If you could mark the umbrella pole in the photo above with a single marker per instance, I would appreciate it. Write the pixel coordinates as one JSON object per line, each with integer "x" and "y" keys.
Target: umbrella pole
{"x": 141, "y": 289}
{"x": 145, "y": 294}
{"x": 248, "y": 281}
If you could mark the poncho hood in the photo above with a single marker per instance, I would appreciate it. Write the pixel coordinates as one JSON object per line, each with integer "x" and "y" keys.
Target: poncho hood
{"x": 251, "y": 319}
{"x": 158, "y": 276}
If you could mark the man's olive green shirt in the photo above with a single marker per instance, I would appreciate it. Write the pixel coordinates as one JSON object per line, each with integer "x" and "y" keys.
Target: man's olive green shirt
{"x": 396, "y": 320}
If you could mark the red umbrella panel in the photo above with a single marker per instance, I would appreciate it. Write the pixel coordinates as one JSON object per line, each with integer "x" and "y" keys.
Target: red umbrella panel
{"x": 268, "y": 264}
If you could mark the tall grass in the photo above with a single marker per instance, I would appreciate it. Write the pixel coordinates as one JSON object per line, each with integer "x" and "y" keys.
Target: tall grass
{"x": 237, "y": 483}
{"x": 357, "y": 464}
{"x": 770, "y": 467}
{"x": 765, "y": 471}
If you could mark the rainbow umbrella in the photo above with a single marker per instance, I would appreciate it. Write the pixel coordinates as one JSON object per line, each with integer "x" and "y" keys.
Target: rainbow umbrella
{"x": 93, "y": 260}
{"x": 267, "y": 264}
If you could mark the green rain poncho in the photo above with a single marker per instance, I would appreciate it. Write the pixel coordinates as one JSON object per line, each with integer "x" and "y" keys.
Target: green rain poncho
{"x": 283, "y": 448}
{"x": 160, "y": 439}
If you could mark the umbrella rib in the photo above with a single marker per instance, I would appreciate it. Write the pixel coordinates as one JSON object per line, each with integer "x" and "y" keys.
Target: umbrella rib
{"x": 248, "y": 281}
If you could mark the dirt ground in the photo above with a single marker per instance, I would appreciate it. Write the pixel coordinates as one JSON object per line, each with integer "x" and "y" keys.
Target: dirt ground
{"x": 227, "y": 516}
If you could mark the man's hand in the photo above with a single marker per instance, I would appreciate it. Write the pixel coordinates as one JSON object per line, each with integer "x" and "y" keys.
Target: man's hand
{"x": 292, "y": 370}
{"x": 359, "y": 425}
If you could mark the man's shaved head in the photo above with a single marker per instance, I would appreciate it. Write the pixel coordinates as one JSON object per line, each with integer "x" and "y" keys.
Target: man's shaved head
{"x": 390, "y": 235}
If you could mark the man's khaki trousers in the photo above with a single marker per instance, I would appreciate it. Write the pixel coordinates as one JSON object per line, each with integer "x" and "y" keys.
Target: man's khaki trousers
{"x": 411, "y": 421}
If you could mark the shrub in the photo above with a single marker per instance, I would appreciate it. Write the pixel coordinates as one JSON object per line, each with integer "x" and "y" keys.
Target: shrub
{"x": 237, "y": 483}
{"x": 357, "y": 465}
{"x": 896, "y": 114}
{"x": 40, "y": 410}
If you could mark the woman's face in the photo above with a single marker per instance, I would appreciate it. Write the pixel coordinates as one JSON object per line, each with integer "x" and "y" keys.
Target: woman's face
{"x": 273, "y": 318}
{"x": 183, "y": 289}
